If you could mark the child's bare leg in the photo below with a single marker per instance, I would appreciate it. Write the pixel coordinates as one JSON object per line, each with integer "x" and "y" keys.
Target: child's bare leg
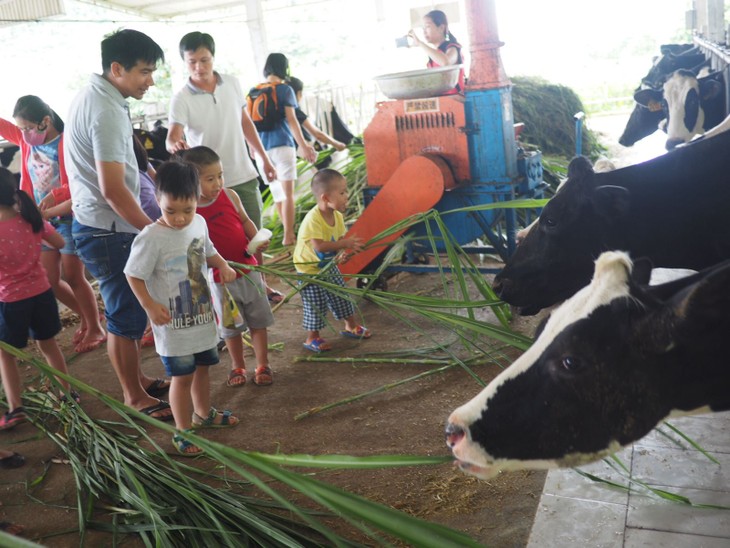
{"x": 51, "y": 261}
{"x": 201, "y": 391}
{"x": 351, "y": 323}
{"x": 234, "y": 345}
{"x": 54, "y": 357}
{"x": 74, "y": 271}
{"x": 260, "y": 340}
{"x": 180, "y": 400}
{"x": 11, "y": 379}
{"x": 312, "y": 335}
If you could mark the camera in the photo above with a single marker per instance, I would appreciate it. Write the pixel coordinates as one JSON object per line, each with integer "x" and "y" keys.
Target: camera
{"x": 402, "y": 42}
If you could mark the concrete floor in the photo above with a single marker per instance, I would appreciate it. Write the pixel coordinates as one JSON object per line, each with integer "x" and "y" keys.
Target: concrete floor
{"x": 576, "y": 511}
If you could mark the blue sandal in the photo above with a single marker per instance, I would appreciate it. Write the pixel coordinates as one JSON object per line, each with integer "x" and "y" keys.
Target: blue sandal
{"x": 317, "y": 345}
{"x": 227, "y": 419}
{"x": 182, "y": 445}
{"x": 361, "y": 332}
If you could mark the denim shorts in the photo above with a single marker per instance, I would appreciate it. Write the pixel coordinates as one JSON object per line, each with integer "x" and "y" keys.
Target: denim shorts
{"x": 37, "y": 316}
{"x": 178, "y": 366}
{"x": 105, "y": 253}
{"x": 63, "y": 227}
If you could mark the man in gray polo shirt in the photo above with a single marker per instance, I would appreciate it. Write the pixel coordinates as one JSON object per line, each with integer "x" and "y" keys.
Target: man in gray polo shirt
{"x": 104, "y": 183}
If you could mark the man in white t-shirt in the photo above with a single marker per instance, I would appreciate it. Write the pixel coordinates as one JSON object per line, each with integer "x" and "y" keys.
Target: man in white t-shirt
{"x": 210, "y": 110}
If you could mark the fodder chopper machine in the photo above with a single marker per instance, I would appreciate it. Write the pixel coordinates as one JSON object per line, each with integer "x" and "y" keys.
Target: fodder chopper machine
{"x": 425, "y": 150}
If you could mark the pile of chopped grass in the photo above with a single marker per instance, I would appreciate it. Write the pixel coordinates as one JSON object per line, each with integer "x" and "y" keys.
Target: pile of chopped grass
{"x": 547, "y": 111}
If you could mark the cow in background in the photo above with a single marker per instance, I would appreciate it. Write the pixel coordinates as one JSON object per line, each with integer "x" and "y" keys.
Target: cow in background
{"x": 671, "y": 209}
{"x": 610, "y": 364}
{"x": 644, "y": 119}
{"x": 154, "y": 143}
{"x": 10, "y": 158}
{"x": 690, "y": 104}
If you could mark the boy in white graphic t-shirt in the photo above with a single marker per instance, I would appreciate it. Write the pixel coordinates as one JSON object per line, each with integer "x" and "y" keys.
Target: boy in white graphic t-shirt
{"x": 167, "y": 270}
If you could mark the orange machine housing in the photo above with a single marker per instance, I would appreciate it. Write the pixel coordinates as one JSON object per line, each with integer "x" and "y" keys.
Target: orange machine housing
{"x": 409, "y": 127}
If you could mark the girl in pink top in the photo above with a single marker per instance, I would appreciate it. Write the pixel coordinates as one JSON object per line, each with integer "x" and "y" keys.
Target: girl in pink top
{"x": 38, "y": 131}
{"x": 27, "y": 304}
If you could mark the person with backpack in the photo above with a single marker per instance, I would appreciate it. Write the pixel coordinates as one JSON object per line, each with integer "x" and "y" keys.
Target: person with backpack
{"x": 273, "y": 109}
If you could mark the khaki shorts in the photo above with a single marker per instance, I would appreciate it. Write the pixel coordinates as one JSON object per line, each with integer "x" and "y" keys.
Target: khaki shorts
{"x": 251, "y": 199}
{"x": 251, "y": 300}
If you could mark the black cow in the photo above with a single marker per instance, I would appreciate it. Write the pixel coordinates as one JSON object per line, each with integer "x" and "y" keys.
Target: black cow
{"x": 610, "y": 364}
{"x": 671, "y": 209}
{"x": 154, "y": 143}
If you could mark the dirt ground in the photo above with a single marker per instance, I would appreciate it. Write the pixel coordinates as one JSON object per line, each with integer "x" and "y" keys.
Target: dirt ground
{"x": 405, "y": 420}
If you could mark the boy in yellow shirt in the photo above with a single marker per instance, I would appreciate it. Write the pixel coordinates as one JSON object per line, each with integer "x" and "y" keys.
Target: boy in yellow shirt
{"x": 319, "y": 241}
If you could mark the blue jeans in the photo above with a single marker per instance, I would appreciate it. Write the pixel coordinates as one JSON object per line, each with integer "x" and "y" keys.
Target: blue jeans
{"x": 63, "y": 227}
{"x": 105, "y": 253}
{"x": 178, "y": 366}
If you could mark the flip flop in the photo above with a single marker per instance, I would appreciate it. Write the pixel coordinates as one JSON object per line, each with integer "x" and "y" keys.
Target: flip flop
{"x": 11, "y": 528}
{"x": 158, "y": 388}
{"x": 274, "y": 296}
{"x": 361, "y": 332}
{"x": 78, "y": 335}
{"x": 148, "y": 339}
{"x": 88, "y": 346}
{"x": 317, "y": 345}
{"x": 12, "y": 461}
{"x": 161, "y": 405}
{"x": 13, "y": 418}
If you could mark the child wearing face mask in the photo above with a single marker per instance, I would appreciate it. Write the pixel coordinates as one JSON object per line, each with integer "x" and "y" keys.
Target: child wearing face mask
{"x": 38, "y": 131}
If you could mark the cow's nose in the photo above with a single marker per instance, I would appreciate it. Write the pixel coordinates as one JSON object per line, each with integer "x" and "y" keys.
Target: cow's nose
{"x": 673, "y": 143}
{"x": 501, "y": 286}
{"x": 453, "y": 434}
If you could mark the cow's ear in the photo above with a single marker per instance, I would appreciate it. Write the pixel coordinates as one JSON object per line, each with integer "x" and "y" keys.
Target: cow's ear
{"x": 641, "y": 272}
{"x": 705, "y": 304}
{"x": 646, "y": 96}
{"x": 692, "y": 311}
{"x": 710, "y": 89}
{"x": 611, "y": 201}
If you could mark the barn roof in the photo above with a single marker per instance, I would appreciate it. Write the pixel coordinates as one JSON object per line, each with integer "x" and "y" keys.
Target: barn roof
{"x": 153, "y": 10}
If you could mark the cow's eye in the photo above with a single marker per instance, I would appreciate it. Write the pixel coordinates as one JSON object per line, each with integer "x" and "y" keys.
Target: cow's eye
{"x": 550, "y": 222}
{"x": 570, "y": 363}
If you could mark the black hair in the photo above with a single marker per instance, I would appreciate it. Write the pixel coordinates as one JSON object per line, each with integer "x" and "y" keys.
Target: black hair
{"x": 278, "y": 65}
{"x": 439, "y": 18}
{"x": 140, "y": 153}
{"x": 127, "y": 47}
{"x": 34, "y": 109}
{"x": 323, "y": 181}
{"x": 10, "y": 195}
{"x": 178, "y": 179}
{"x": 296, "y": 84}
{"x": 194, "y": 40}
{"x": 200, "y": 156}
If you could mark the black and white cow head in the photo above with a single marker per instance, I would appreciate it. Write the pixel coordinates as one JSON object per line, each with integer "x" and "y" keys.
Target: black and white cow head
{"x": 555, "y": 256}
{"x": 610, "y": 363}
{"x": 685, "y": 98}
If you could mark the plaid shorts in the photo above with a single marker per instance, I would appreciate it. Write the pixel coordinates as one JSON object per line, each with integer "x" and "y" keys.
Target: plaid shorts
{"x": 317, "y": 300}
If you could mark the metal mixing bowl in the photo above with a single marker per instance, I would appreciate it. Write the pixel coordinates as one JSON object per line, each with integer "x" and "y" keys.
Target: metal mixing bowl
{"x": 418, "y": 84}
